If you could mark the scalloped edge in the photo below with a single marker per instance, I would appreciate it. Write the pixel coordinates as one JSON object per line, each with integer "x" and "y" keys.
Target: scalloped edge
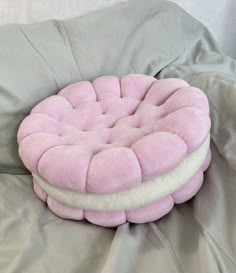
{"x": 139, "y": 196}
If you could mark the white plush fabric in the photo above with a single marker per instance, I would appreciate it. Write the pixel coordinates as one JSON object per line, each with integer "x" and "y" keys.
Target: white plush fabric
{"x": 139, "y": 196}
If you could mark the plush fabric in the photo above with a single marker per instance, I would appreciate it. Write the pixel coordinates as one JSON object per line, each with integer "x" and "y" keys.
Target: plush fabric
{"x": 114, "y": 135}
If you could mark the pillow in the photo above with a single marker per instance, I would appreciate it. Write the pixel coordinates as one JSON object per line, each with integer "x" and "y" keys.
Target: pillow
{"x": 117, "y": 150}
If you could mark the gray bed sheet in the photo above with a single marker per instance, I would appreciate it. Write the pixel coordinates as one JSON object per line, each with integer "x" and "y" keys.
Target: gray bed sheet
{"x": 151, "y": 37}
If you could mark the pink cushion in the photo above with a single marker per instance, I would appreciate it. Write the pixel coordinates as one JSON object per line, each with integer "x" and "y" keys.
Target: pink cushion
{"x": 111, "y": 135}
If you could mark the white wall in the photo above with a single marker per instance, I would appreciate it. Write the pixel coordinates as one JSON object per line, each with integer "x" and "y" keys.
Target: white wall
{"x": 219, "y": 16}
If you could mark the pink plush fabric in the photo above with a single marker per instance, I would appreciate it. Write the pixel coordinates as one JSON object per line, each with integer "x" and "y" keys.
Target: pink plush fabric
{"x": 111, "y": 135}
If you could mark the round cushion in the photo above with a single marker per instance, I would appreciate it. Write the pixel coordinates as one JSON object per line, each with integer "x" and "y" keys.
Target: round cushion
{"x": 117, "y": 150}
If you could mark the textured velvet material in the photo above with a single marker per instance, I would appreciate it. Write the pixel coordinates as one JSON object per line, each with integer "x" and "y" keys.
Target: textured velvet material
{"x": 113, "y": 134}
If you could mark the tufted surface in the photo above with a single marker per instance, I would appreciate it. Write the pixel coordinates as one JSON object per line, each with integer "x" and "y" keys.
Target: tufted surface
{"x": 112, "y": 135}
